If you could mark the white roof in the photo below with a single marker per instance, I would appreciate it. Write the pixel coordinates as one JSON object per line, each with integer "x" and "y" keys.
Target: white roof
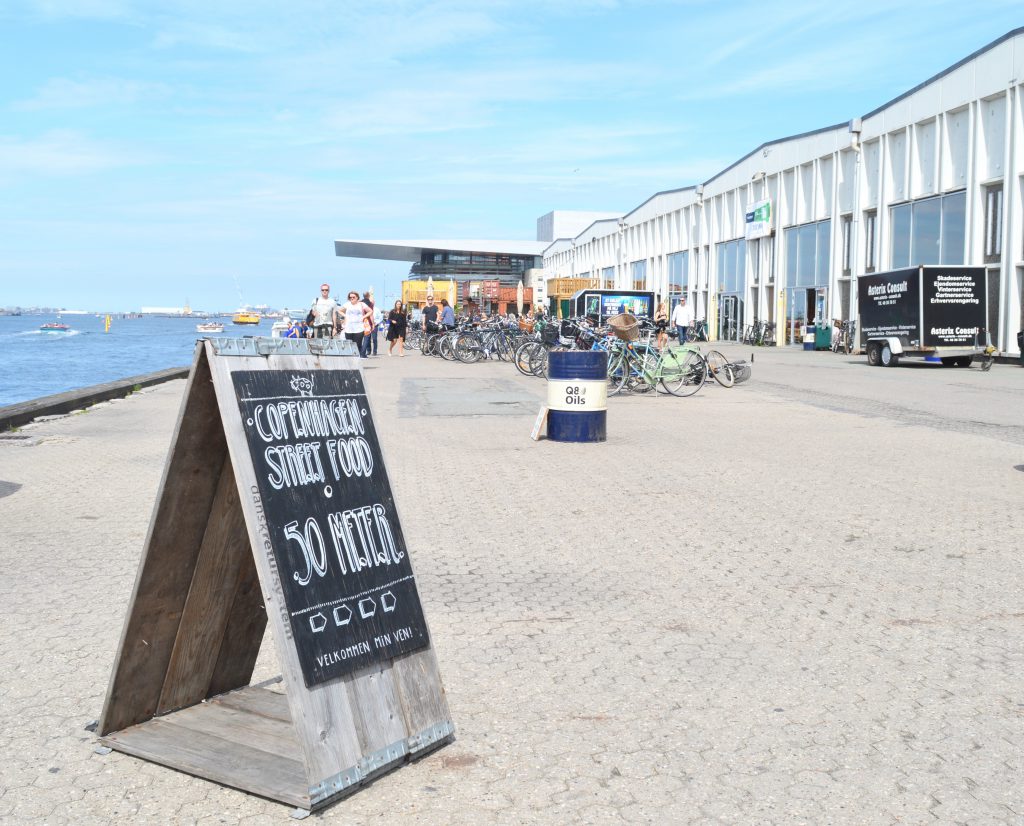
{"x": 413, "y": 250}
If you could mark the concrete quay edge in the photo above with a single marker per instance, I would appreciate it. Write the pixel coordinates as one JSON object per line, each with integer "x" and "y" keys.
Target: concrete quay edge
{"x": 56, "y": 404}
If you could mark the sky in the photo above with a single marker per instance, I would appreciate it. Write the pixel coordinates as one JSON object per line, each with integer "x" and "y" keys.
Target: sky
{"x": 158, "y": 152}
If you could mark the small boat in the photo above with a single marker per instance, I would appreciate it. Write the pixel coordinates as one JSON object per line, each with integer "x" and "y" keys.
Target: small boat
{"x": 279, "y": 328}
{"x": 245, "y": 317}
{"x": 54, "y": 327}
{"x": 210, "y": 327}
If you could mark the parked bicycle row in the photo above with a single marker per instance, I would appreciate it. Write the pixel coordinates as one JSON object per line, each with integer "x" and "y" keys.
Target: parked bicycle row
{"x": 641, "y": 357}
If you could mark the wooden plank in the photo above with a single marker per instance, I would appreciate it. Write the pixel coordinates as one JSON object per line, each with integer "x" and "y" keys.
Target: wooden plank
{"x": 256, "y": 701}
{"x": 242, "y": 727}
{"x": 378, "y": 711}
{"x": 214, "y": 758}
{"x": 210, "y": 597}
{"x": 417, "y": 676}
{"x": 243, "y": 636}
{"x": 323, "y": 715}
{"x": 184, "y": 499}
{"x": 421, "y": 694}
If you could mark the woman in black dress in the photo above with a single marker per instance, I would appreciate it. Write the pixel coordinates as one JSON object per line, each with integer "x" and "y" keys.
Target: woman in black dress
{"x": 397, "y": 320}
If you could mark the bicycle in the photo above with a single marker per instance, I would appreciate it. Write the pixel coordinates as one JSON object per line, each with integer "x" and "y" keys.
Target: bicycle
{"x": 680, "y": 371}
{"x": 727, "y": 373}
{"x": 843, "y": 337}
{"x": 698, "y": 331}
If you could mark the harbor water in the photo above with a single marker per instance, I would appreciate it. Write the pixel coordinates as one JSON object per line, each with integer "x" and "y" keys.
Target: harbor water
{"x": 37, "y": 363}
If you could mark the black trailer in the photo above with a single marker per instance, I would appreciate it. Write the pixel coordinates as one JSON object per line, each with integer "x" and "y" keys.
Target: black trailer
{"x": 932, "y": 312}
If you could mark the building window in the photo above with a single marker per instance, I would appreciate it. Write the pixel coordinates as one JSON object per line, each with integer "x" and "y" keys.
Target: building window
{"x": 807, "y": 254}
{"x": 732, "y": 263}
{"x": 993, "y": 223}
{"x": 639, "y": 269}
{"x": 846, "y": 224}
{"x": 870, "y": 222}
{"x": 678, "y": 272}
{"x": 608, "y": 274}
{"x": 928, "y": 231}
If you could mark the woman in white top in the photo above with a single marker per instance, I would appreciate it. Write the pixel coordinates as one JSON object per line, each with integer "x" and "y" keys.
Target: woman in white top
{"x": 352, "y": 315}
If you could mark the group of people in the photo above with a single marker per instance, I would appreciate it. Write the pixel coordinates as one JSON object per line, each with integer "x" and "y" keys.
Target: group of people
{"x": 359, "y": 320}
{"x": 681, "y": 319}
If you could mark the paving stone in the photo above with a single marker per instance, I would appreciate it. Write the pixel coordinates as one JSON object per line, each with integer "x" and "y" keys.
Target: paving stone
{"x": 795, "y": 601}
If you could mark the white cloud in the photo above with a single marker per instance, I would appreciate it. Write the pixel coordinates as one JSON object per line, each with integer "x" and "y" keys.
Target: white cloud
{"x": 62, "y": 153}
{"x": 65, "y": 93}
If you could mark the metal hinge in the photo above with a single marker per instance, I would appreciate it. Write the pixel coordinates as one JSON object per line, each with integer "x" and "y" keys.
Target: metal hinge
{"x": 380, "y": 759}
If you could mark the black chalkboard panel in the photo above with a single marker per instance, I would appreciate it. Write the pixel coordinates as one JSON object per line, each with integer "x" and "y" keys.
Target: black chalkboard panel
{"x": 328, "y": 519}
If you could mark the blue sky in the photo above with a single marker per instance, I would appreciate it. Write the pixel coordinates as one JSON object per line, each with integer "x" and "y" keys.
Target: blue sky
{"x": 156, "y": 151}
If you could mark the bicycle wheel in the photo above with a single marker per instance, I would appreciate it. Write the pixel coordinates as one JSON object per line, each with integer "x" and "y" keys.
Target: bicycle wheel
{"x": 618, "y": 371}
{"x": 522, "y": 356}
{"x": 468, "y": 348}
{"x": 413, "y": 339}
{"x": 654, "y": 368}
{"x": 642, "y": 375}
{"x": 539, "y": 362}
{"x": 683, "y": 372}
{"x": 720, "y": 369}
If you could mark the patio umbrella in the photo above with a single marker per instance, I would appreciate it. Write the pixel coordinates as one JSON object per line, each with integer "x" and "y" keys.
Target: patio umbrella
{"x": 519, "y": 297}
{"x": 430, "y": 286}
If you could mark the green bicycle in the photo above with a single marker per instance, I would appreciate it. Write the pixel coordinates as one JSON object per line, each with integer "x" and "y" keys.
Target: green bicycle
{"x": 680, "y": 371}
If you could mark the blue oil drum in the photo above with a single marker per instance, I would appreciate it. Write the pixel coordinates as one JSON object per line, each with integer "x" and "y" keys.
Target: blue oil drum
{"x": 577, "y": 396}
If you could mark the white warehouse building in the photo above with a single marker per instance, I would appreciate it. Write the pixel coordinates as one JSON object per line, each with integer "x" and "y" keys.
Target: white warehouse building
{"x": 935, "y": 176}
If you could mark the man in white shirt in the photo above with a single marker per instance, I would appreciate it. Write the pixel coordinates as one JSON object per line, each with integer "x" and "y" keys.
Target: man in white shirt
{"x": 682, "y": 318}
{"x": 323, "y": 310}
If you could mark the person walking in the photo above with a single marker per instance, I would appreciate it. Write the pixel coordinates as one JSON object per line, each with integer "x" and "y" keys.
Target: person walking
{"x": 352, "y": 316}
{"x": 397, "y": 322}
{"x": 321, "y": 313}
{"x": 369, "y": 330}
{"x": 429, "y": 315}
{"x": 447, "y": 315}
{"x": 661, "y": 324}
{"x": 682, "y": 319}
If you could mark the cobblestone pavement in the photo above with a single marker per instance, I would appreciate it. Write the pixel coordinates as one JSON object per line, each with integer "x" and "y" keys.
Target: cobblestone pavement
{"x": 796, "y": 601}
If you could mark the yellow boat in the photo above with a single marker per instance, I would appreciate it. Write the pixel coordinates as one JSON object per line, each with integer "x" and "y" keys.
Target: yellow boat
{"x": 245, "y": 317}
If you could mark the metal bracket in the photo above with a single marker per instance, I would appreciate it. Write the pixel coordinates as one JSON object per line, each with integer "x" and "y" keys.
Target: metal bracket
{"x": 264, "y": 346}
{"x": 378, "y": 761}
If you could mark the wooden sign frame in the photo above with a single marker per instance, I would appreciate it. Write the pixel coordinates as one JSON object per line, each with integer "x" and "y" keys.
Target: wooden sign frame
{"x": 207, "y": 588}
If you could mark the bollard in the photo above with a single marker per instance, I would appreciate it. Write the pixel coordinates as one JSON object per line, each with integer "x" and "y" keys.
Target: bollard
{"x": 577, "y": 395}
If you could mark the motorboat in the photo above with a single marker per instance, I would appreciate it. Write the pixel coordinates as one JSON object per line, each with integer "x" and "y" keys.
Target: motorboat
{"x": 54, "y": 327}
{"x": 210, "y": 327}
{"x": 279, "y": 328}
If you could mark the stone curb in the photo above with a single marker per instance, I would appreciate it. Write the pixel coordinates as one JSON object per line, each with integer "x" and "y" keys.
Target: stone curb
{"x": 16, "y": 415}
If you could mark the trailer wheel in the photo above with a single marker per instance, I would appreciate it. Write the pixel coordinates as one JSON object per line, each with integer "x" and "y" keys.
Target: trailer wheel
{"x": 874, "y": 354}
{"x": 949, "y": 361}
{"x": 887, "y": 356}
{"x": 964, "y": 361}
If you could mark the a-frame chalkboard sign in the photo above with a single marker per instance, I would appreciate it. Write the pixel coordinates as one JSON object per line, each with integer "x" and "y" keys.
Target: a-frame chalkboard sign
{"x": 275, "y": 509}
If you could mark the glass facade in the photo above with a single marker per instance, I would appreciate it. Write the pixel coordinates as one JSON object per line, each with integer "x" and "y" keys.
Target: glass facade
{"x": 639, "y": 272}
{"x": 808, "y": 248}
{"x": 929, "y": 231}
{"x": 678, "y": 272}
{"x": 732, "y": 262}
{"x": 508, "y": 269}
